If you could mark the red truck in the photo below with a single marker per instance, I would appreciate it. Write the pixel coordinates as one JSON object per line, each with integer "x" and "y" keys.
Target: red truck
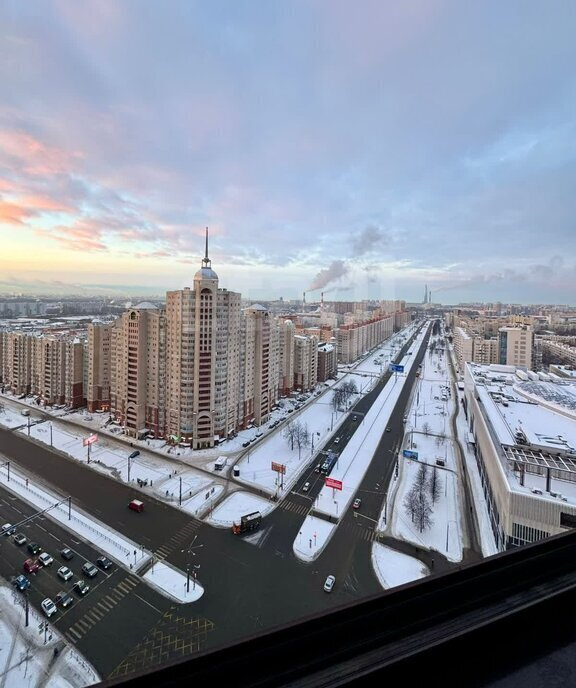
{"x": 247, "y": 523}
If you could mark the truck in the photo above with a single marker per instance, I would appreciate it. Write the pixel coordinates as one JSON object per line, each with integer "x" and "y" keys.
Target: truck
{"x": 247, "y": 523}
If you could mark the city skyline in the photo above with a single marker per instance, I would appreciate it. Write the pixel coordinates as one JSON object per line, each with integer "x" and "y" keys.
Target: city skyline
{"x": 363, "y": 151}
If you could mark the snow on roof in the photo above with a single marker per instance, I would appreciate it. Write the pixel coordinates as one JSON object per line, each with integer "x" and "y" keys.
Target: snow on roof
{"x": 145, "y": 305}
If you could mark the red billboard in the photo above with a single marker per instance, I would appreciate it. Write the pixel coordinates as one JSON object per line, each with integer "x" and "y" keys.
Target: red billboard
{"x": 90, "y": 440}
{"x": 279, "y": 467}
{"x": 336, "y": 484}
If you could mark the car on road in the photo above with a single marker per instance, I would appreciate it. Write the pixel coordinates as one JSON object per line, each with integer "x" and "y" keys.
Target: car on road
{"x": 337, "y": 440}
{"x": 88, "y": 569}
{"x": 66, "y": 553}
{"x": 388, "y": 429}
{"x": 8, "y": 529}
{"x": 21, "y": 582}
{"x": 64, "y": 599}
{"x": 45, "y": 559}
{"x": 134, "y": 454}
{"x": 20, "y": 539}
{"x": 104, "y": 563}
{"x": 33, "y": 548}
{"x": 31, "y": 565}
{"x": 65, "y": 573}
{"x": 329, "y": 583}
{"x": 81, "y": 587}
{"x": 354, "y": 418}
{"x": 356, "y": 503}
{"x": 306, "y": 487}
{"x": 48, "y": 607}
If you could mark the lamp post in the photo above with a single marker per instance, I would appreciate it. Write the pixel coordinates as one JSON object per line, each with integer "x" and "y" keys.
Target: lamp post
{"x": 189, "y": 552}
{"x": 447, "y": 531}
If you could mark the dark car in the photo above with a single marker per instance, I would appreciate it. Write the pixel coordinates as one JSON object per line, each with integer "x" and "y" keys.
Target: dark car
{"x": 64, "y": 599}
{"x": 246, "y": 444}
{"x": 34, "y": 548}
{"x": 104, "y": 563}
{"x": 134, "y": 454}
{"x": 21, "y": 582}
{"x": 66, "y": 553}
{"x": 81, "y": 587}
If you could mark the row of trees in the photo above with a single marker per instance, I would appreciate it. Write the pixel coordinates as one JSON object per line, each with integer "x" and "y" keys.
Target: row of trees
{"x": 297, "y": 434}
{"x": 342, "y": 394}
{"x": 425, "y": 492}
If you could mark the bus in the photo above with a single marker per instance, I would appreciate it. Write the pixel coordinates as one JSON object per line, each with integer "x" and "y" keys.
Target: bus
{"x": 329, "y": 463}
{"x": 220, "y": 463}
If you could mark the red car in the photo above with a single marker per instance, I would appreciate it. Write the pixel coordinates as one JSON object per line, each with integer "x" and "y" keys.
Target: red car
{"x": 31, "y": 565}
{"x": 357, "y": 502}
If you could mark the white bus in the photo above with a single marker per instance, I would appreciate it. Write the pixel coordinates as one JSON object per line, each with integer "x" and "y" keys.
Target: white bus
{"x": 220, "y": 463}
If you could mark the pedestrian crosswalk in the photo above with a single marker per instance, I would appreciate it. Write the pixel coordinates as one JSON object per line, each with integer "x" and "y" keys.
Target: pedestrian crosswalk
{"x": 177, "y": 540}
{"x": 361, "y": 530}
{"x": 103, "y": 606}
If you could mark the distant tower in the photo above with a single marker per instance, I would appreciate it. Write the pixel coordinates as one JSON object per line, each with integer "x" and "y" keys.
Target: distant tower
{"x": 322, "y": 302}
{"x": 430, "y": 296}
{"x": 425, "y": 293}
{"x": 303, "y": 298}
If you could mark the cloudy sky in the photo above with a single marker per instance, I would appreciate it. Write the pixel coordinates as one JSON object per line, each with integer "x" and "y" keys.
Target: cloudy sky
{"x": 364, "y": 148}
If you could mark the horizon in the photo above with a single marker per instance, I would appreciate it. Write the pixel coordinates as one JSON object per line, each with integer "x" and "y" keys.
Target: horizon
{"x": 364, "y": 150}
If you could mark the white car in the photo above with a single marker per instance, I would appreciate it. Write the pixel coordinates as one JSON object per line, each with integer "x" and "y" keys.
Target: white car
{"x": 65, "y": 573}
{"x": 329, "y": 583}
{"x": 45, "y": 559}
{"x": 48, "y": 607}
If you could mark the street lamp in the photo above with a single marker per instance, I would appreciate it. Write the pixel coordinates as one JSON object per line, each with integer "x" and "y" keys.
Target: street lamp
{"x": 447, "y": 531}
{"x": 189, "y": 552}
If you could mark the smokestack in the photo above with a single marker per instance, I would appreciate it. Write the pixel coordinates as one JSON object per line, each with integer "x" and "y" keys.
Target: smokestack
{"x": 303, "y": 298}
{"x": 321, "y": 300}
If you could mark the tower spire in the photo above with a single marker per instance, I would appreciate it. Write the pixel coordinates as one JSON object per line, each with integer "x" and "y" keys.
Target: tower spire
{"x": 206, "y": 260}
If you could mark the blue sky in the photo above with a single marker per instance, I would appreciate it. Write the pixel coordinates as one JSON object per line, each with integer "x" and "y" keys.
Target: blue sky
{"x": 361, "y": 148}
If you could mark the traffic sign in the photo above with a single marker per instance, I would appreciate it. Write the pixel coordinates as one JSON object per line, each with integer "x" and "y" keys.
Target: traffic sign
{"x": 395, "y": 368}
{"x": 90, "y": 440}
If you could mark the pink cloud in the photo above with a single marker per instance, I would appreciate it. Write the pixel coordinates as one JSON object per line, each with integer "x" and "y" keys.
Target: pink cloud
{"x": 33, "y": 156}
{"x": 84, "y": 235}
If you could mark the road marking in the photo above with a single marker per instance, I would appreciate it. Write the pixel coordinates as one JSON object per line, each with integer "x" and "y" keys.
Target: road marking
{"x": 148, "y": 603}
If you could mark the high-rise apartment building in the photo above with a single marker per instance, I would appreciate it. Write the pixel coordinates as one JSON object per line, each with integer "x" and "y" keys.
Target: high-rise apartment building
{"x": 98, "y": 366}
{"x": 137, "y": 370}
{"x": 286, "y": 357}
{"x": 202, "y": 360}
{"x": 305, "y": 362}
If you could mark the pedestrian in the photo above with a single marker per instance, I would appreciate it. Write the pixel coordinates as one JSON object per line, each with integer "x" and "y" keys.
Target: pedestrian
{"x": 26, "y": 482}
{"x": 166, "y": 492}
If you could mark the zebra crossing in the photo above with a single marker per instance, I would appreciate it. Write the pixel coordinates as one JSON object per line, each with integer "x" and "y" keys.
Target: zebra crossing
{"x": 177, "y": 540}
{"x": 361, "y": 531}
{"x": 99, "y": 610}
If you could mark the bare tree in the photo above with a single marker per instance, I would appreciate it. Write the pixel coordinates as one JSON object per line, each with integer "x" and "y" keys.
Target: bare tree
{"x": 411, "y": 503}
{"x": 289, "y": 434}
{"x": 434, "y": 485}
{"x": 421, "y": 478}
{"x": 2, "y": 407}
{"x": 423, "y": 514}
{"x": 302, "y": 437}
{"x": 338, "y": 399}
{"x": 426, "y": 428}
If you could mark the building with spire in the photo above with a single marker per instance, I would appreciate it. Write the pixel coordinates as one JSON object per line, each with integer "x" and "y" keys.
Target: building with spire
{"x": 203, "y": 338}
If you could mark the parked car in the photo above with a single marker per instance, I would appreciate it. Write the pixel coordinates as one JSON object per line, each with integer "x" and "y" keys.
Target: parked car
{"x": 104, "y": 563}
{"x": 329, "y": 583}
{"x": 64, "y": 599}
{"x": 66, "y": 554}
{"x": 65, "y": 573}
{"x": 45, "y": 559}
{"x": 246, "y": 444}
{"x": 81, "y": 587}
{"x": 88, "y": 569}
{"x": 20, "y": 539}
{"x": 134, "y": 454}
{"x": 31, "y": 565}
{"x": 8, "y": 529}
{"x": 48, "y": 607}
{"x": 356, "y": 503}
{"x": 34, "y": 548}
{"x": 21, "y": 582}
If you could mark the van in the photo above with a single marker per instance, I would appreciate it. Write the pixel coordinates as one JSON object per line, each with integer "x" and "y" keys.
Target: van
{"x": 25, "y": 412}
{"x": 136, "y": 505}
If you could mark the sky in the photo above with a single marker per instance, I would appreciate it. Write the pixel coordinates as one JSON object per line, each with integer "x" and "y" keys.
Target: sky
{"x": 364, "y": 149}
{"x": 426, "y": 421}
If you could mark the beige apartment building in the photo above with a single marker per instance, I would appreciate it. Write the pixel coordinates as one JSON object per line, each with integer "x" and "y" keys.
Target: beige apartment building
{"x": 203, "y": 338}
{"x": 17, "y": 362}
{"x": 356, "y": 339}
{"x": 515, "y": 346}
{"x": 286, "y": 333}
{"x": 136, "y": 370}
{"x": 98, "y": 366}
{"x": 305, "y": 363}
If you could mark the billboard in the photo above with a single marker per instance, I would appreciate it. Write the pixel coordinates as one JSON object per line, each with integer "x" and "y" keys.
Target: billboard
{"x": 336, "y": 484}
{"x": 90, "y": 440}
{"x": 395, "y": 368}
{"x": 279, "y": 467}
{"x": 408, "y": 454}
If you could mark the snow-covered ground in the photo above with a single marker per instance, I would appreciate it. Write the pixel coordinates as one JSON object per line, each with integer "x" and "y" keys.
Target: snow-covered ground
{"x": 171, "y": 474}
